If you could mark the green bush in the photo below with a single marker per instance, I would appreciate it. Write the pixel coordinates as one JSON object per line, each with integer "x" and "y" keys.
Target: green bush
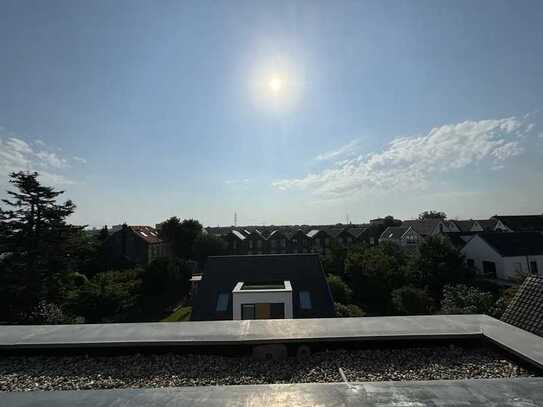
{"x": 107, "y": 296}
{"x": 461, "y": 299}
{"x": 351, "y": 310}
{"x": 340, "y": 290}
{"x": 410, "y": 300}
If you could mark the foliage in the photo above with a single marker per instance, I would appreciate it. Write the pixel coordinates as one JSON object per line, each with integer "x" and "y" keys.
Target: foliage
{"x": 350, "y": 310}
{"x": 341, "y": 292}
{"x": 432, "y": 215}
{"x": 461, "y": 299}
{"x": 35, "y": 233}
{"x": 180, "y": 314}
{"x": 182, "y": 235}
{"x": 165, "y": 282}
{"x": 375, "y": 273}
{"x": 334, "y": 261}
{"x": 206, "y": 245}
{"x": 410, "y": 300}
{"x": 438, "y": 263}
{"x": 107, "y": 296}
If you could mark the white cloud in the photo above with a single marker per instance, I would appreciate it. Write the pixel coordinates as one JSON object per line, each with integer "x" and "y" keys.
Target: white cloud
{"x": 39, "y": 142}
{"x": 79, "y": 159}
{"x": 345, "y": 150}
{"x": 17, "y": 155}
{"x": 410, "y": 162}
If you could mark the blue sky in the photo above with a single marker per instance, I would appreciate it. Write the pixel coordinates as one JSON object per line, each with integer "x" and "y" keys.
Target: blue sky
{"x": 141, "y": 110}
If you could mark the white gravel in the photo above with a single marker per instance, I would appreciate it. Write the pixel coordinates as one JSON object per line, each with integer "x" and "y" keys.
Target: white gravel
{"x": 26, "y": 373}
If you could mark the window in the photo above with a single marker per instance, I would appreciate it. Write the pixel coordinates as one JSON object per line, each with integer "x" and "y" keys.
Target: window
{"x": 305, "y": 300}
{"x": 234, "y": 245}
{"x": 250, "y": 244}
{"x": 248, "y": 311}
{"x": 489, "y": 269}
{"x": 517, "y": 267}
{"x": 222, "y": 302}
{"x": 533, "y": 268}
{"x": 283, "y": 243}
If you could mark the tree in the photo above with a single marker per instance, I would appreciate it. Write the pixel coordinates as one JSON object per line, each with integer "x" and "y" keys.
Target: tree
{"x": 34, "y": 230}
{"x": 351, "y": 310}
{"x": 181, "y": 235}
{"x": 206, "y": 245}
{"x": 341, "y": 292}
{"x": 461, "y": 299}
{"x": 166, "y": 282}
{"x": 438, "y": 263}
{"x": 410, "y": 300}
{"x": 432, "y": 215}
{"x": 375, "y": 273}
{"x": 108, "y": 297}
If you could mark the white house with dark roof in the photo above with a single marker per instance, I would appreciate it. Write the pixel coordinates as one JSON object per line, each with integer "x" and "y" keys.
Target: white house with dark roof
{"x": 505, "y": 255}
{"x": 404, "y": 236}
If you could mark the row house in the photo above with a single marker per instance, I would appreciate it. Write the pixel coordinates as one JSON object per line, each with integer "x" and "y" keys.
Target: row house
{"x": 283, "y": 241}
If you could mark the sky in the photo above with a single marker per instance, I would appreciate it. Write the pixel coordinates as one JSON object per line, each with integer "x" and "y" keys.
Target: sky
{"x": 282, "y": 112}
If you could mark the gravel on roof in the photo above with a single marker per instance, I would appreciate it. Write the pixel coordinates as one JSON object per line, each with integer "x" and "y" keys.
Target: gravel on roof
{"x": 81, "y": 372}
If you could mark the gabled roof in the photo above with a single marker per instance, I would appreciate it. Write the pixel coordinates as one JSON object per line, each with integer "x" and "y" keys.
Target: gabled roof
{"x": 487, "y": 224}
{"x": 147, "y": 233}
{"x": 238, "y": 234}
{"x": 511, "y": 244}
{"x": 423, "y": 227}
{"x": 336, "y": 232}
{"x": 312, "y": 233}
{"x": 222, "y": 273}
{"x": 526, "y": 309}
{"x": 394, "y": 232}
{"x": 522, "y": 223}
{"x": 463, "y": 225}
{"x": 357, "y": 232}
{"x": 459, "y": 239}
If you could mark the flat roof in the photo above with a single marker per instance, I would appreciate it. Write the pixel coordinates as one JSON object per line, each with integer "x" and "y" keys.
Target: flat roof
{"x": 522, "y": 343}
{"x": 465, "y": 393}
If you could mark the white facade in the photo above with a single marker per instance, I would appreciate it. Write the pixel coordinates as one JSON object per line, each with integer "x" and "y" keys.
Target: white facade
{"x": 262, "y": 296}
{"x": 507, "y": 268}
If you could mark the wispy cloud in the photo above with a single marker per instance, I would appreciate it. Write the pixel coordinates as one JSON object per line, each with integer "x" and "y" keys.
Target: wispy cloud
{"x": 79, "y": 159}
{"x": 237, "y": 181}
{"x": 18, "y": 155}
{"x": 345, "y": 150}
{"x": 410, "y": 162}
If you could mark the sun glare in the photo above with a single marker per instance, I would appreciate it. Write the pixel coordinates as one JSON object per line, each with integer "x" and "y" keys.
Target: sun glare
{"x": 275, "y": 84}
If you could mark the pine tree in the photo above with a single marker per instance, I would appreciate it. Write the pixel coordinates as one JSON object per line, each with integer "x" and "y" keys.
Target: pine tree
{"x": 36, "y": 241}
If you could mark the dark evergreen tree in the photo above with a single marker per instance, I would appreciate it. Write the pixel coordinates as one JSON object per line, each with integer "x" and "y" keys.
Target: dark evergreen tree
{"x": 37, "y": 245}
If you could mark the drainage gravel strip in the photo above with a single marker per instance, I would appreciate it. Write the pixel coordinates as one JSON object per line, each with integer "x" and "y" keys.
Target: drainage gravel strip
{"x": 27, "y": 373}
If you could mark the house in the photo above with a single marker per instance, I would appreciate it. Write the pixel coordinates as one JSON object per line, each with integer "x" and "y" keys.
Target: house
{"x": 255, "y": 242}
{"x": 236, "y": 242}
{"x": 263, "y": 287}
{"x": 277, "y": 242}
{"x": 525, "y": 310}
{"x": 341, "y": 236}
{"x": 458, "y": 239}
{"x": 464, "y": 226}
{"x": 519, "y": 223}
{"x": 362, "y": 235}
{"x": 404, "y": 236}
{"x": 488, "y": 225}
{"x": 299, "y": 242}
{"x": 320, "y": 240}
{"x": 427, "y": 227}
{"x": 136, "y": 245}
{"x": 505, "y": 255}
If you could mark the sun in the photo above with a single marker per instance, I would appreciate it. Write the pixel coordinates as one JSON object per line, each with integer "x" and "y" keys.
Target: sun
{"x": 275, "y": 84}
